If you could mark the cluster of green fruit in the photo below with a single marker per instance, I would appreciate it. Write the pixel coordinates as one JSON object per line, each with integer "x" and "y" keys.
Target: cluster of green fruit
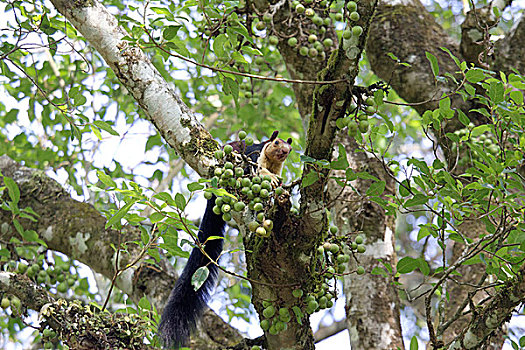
{"x": 315, "y": 42}
{"x": 49, "y": 277}
{"x": 12, "y": 301}
{"x": 484, "y": 140}
{"x": 332, "y": 253}
{"x": 357, "y": 120}
{"x": 48, "y": 335}
{"x": 245, "y": 88}
{"x": 275, "y": 319}
{"x": 255, "y": 191}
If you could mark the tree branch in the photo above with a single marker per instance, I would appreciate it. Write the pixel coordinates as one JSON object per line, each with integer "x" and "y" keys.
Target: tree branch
{"x": 172, "y": 118}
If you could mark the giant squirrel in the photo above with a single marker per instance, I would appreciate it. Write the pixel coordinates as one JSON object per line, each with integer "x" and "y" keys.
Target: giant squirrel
{"x": 185, "y": 306}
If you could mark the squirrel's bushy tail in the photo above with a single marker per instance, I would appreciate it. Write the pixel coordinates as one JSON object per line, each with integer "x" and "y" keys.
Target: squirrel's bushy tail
{"x": 185, "y": 305}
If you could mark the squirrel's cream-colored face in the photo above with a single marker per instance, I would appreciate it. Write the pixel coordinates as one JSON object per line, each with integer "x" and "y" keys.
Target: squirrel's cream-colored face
{"x": 278, "y": 150}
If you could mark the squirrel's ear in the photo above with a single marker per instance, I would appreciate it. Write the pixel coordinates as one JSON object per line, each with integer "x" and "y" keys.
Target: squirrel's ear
{"x": 274, "y": 135}
{"x": 289, "y": 141}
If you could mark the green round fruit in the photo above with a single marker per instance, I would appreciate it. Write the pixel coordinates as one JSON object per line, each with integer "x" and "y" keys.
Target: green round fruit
{"x": 242, "y": 135}
{"x": 267, "y": 17}
{"x": 279, "y": 191}
{"x": 264, "y": 193}
{"x": 333, "y": 229}
{"x": 260, "y": 216}
{"x": 22, "y": 268}
{"x": 338, "y": 17}
{"x": 354, "y": 16}
{"x": 347, "y": 34}
{"x": 312, "y": 38}
{"x": 256, "y": 180}
{"x": 258, "y": 207}
{"x": 5, "y": 303}
{"x": 351, "y": 6}
{"x": 300, "y": 8}
{"x": 256, "y": 188}
{"x": 327, "y": 21}
{"x": 318, "y": 21}
{"x": 313, "y": 305}
{"x": 298, "y": 293}
{"x": 309, "y": 12}
{"x": 226, "y": 208}
{"x": 292, "y": 41}
{"x": 359, "y": 239}
{"x": 266, "y": 184}
{"x": 259, "y": 61}
{"x": 268, "y": 224}
{"x": 228, "y": 149}
{"x": 357, "y": 30}
{"x": 273, "y": 40}
{"x": 261, "y": 231}
{"x": 269, "y": 312}
{"x": 226, "y": 216}
{"x": 62, "y": 287}
{"x": 328, "y": 42}
{"x": 219, "y": 154}
{"x": 260, "y": 26}
{"x": 360, "y": 270}
{"x": 208, "y": 195}
{"x": 239, "y": 206}
{"x": 363, "y": 126}
{"x": 253, "y": 225}
{"x": 265, "y": 324}
{"x": 312, "y": 52}
{"x": 239, "y": 172}
{"x": 352, "y": 128}
{"x": 361, "y": 248}
{"x": 334, "y": 248}
{"x": 303, "y": 51}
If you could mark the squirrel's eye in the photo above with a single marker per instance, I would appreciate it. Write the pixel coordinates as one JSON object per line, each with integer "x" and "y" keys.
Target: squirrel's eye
{"x": 277, "y": 142}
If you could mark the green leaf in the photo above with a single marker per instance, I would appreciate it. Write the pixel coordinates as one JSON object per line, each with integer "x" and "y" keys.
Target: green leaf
{"x": 119, "y": 214}
{"x": 12, "y": 188}
{"x": 165, "y": 197}
{"x": 433, "y": 63}
{"x": 106, "y": 179}
{"x": 474, "y": 75}
{"x": 413, "y": 343}
{"x": 463, "y": 118}
{"x": 341, "y": 162}
{"x": 218, "y": 45}
{"x": 144, "y": 303}
{"x": 310, "y": 179}
{"x": 156, "y": 217}
{"x": 298, "y": 314}
{"x": 195, "y": 186}
{"x": 418, "y": 199}
{"x": 496, "y": 91}
{"x": 517, "y": 97}
{"x": 180, "y": 201}
{"x": 199, "y": 277}
{"x": 170, "y": 32}
{"x": 106, "y": 127}
{"x": 423, "y": 266}
{"x": 407, "y": 264}
{"x": 376, "y": 188}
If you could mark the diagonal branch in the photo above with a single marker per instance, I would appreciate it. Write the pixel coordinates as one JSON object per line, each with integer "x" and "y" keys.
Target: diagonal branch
{"x": 164, "y": 108}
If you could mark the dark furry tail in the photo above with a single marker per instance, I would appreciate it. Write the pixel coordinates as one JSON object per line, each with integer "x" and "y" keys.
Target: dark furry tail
{"x": 185, "y": 305}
